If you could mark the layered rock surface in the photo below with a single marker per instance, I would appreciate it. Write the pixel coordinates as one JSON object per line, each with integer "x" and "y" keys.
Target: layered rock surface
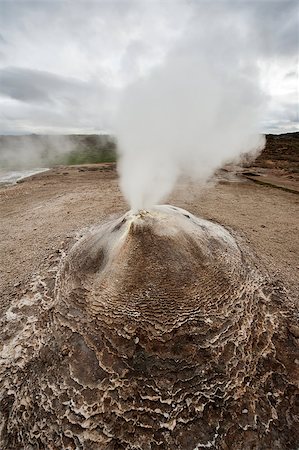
{"x": 159, "y": 332}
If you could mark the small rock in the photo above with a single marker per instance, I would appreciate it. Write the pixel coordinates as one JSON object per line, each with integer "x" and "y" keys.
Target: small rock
{"x": 294, "y": 330}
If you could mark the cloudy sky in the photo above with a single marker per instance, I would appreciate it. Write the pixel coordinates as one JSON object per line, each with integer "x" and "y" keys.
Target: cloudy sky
{"x": 65, "y": 64}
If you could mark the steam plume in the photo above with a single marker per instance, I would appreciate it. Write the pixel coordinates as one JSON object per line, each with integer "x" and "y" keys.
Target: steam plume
{"x": 199, "y": 109}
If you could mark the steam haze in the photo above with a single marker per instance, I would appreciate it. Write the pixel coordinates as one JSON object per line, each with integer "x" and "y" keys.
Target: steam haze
{"x": 25, "y": 152}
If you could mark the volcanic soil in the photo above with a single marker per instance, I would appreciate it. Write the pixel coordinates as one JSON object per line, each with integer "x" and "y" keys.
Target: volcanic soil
{"x": 40, "y": 213}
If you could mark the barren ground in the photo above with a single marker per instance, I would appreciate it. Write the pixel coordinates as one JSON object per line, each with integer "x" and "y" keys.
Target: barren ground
{"x": 39, "y": 213}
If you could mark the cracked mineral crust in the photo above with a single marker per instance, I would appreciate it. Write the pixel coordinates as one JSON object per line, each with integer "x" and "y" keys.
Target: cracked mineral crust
{"x": 156, "y": 330}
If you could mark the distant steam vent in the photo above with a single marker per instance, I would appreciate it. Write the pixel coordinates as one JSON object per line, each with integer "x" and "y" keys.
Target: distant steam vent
{"x": 23, "y": 152}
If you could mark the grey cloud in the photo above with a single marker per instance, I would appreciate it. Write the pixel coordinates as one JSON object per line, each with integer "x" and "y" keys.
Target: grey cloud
{"x": 277, "y": 24}
{"x": 70, "y": 58}
{"x": 41, "y": 101}
{"x": 271, "y": 26}
{"x": 31, "y": 85}
{"x": 277, "y": 126}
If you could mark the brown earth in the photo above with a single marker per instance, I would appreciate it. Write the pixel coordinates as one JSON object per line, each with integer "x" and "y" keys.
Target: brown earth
{"x": 278, "y": 163}
{"x": 281, "y": 152}
{"x": 39, "y": 213}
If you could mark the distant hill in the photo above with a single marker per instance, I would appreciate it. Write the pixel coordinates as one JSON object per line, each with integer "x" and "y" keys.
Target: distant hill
{"x": 281, "y": 152}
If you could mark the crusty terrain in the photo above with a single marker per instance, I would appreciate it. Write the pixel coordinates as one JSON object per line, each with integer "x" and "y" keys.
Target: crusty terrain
{"x": 156, "y": 331}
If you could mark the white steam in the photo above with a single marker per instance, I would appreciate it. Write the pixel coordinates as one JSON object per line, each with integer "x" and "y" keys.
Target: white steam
{"x": 198, "y": 110}
{"x": 26, "y": 152}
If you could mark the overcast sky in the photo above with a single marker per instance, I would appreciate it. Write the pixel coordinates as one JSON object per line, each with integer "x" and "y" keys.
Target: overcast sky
{"x": 63, "y": 65}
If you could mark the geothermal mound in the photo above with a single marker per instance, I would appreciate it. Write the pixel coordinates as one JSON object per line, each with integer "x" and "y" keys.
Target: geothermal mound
{"x": 160, "y": 333}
